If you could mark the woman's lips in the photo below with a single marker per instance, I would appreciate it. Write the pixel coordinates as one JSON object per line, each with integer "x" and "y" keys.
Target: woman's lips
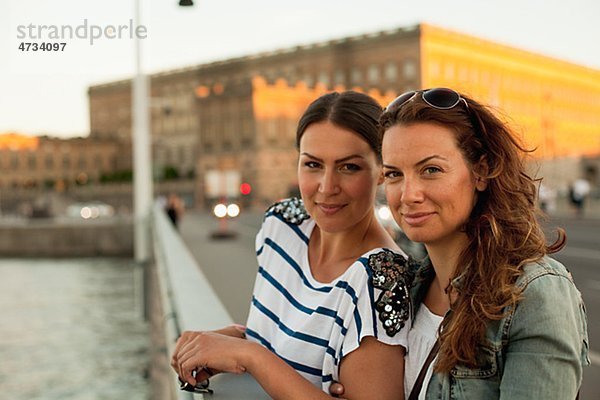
{"x": 330, "y": 209}
{"x": 416, "y": 218}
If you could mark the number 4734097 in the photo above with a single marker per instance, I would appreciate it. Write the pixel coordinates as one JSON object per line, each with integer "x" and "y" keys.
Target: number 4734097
{"x": 44, "y": 46}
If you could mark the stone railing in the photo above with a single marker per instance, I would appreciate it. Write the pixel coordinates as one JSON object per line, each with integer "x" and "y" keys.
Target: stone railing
{"x": 187, "y": 302}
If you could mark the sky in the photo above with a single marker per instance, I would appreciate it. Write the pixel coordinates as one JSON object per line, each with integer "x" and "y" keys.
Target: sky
{"x": 45, "y": 92}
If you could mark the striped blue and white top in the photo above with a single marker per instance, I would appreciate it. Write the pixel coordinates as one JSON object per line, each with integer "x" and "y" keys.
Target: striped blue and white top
{"x": 309, "y": 324}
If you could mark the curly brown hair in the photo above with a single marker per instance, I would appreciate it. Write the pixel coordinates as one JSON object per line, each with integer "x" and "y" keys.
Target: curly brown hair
{"x": 503, "y": 229}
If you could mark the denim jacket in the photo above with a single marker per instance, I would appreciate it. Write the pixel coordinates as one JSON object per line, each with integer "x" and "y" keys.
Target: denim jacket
{"x": 537, "y": 351}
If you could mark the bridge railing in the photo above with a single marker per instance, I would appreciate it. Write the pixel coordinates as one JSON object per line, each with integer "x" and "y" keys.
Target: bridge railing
{"x": 190, "y": 303}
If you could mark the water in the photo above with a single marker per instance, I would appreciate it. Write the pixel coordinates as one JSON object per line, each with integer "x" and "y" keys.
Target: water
{"x": 71, "y": 329}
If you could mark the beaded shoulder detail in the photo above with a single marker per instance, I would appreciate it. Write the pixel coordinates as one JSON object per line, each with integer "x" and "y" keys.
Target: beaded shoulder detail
{"x": 291, "y": 210}
{"x": 393, "y": 275}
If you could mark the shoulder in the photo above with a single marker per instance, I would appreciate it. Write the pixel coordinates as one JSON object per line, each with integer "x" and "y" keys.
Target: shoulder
{"x": 291, "y": 211}
{"x": 392, "y": 274}
{"x": 388, "y": 266}
{"x": 550, "y": 309}
{"x": 542, "y": 270}
{"x": 547, "y": 288}
{"x": 287, "y": 222}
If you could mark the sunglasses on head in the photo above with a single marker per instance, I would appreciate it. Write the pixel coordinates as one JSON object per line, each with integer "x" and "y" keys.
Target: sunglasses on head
{"x": 440, "y": 98}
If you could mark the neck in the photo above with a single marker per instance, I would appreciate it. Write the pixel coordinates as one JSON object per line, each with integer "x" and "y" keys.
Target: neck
{"x": 444, "y": 258}
{"x": 332, "y": 245}
{"x": 330, "y": 253}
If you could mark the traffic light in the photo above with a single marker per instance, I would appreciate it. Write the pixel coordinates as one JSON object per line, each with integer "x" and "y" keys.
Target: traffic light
{"x": 245, "y": 188}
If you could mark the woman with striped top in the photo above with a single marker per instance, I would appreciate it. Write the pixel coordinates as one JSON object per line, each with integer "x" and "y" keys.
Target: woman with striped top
{"x": 330, "y": 302}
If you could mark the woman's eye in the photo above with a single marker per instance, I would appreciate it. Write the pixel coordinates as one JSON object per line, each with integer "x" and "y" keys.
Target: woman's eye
{"x": 311, "y": 164}
{"x": 351, "y": 167}
{"x": 431, "y": 170}
{"x": 391, "y": 174}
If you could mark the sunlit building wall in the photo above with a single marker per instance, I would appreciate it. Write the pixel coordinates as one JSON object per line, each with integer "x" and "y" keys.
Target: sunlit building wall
{"x": 240, "y": 114}
{"x": 553, "y": 105}
{"x": 253, "y": 131}
{"x": 45, "y": 162}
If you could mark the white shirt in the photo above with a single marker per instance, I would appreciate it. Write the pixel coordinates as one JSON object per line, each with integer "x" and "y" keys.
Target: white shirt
{"x": 421, "y": 338}
{"x": 309, "y": 324}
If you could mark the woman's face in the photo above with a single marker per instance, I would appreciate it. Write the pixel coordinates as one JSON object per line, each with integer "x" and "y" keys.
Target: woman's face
{"x": 430, "y": 187}
{"x": 338, "y": 174}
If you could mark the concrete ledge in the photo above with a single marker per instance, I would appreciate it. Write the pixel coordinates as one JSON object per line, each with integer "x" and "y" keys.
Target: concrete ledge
{"x": 190, "y": 303}
{"x": 112, "y": 237}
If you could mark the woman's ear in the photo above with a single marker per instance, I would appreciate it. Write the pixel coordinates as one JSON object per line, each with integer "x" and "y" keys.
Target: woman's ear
{"x": 481, "y": 170}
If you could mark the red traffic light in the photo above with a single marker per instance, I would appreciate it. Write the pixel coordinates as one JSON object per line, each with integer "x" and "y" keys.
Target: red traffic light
{"x": 245, "y": 188}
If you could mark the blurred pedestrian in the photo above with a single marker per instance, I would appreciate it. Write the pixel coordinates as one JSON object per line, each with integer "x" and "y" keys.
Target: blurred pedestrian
{"x": 578, "y": 193}
{"x": 547, "y": 198}
{"x": 174, "y": 209}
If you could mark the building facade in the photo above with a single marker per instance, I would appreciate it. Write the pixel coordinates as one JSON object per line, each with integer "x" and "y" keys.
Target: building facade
{"x": 45, "y": 162}
{"x": 240, "y": 114}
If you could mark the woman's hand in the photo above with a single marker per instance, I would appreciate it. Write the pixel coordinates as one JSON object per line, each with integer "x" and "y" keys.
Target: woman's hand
{"x": 208, "y": 353}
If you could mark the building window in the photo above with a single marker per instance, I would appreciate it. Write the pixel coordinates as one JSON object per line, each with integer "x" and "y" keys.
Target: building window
{"x": 271, "y": 130}
{"x": 309, "y": 80}
{"x": 356, "y": 75}
{"x": 449, "y": 71}
{"x": 434, "y": 69}
{"x": 49, "y": 161}
{"x": 391, "y": 71}
{"x": 324, "y": 78}
{"x": 14, "y": 160}
{"x": 373, "y": 73}
{"x": 291, "y": 75}
{"x": 410, "y": 69}
{"x": 32, "y": 161}
{"x": 339, "y": 77}
{"x": 66, "y": 162}
{"x": 463, "y": 73}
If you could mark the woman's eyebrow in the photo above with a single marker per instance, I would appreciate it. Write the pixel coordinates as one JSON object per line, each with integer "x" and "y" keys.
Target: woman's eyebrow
{"x": 419, "y": 163}
{"x": 426, "y": 159}
{"x": 341, "y": 160}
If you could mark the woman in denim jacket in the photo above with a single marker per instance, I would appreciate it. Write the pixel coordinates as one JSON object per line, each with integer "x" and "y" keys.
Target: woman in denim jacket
{"x": 508, "y": 319}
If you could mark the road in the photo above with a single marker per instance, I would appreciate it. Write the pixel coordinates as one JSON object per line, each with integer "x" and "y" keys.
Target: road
{"x": 581, "y": 256}
{"x": 230, "y": 266}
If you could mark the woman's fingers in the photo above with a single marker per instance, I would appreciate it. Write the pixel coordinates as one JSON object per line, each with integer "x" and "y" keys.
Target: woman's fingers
{"x": 207, "y": 352}
{"x": 187, "y": 373}
{"x": 181, "y": 341}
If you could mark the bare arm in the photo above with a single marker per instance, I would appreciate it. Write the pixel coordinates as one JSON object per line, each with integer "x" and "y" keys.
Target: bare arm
{"x": 229, "y": 354}
{"x": 374, "y": 370}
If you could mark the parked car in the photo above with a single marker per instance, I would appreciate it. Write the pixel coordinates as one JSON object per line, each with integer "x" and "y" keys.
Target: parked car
{"x": 90, "y": 210}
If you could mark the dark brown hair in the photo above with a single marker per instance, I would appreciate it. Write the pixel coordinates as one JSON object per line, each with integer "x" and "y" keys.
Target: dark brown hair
{"x": 503, "y": 229}
{"x": 350, "y": 110}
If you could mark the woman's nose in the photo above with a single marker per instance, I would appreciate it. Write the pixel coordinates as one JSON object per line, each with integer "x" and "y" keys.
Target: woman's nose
{"x": 328, "y": 183}
{"x": 412, "y": 191}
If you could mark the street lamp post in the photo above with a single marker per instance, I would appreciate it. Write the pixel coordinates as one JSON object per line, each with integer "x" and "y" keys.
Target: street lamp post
{"x": 142, "y": 177}
{"x": 142, "y": 163}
